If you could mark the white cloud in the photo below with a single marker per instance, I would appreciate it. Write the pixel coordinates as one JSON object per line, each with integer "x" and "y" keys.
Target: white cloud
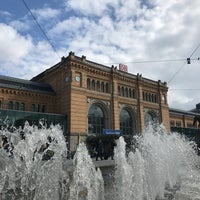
{"x": 108, "y": 31}
{"x": 89, "y": 7}
{"x": 39, "y": 59}
{"x": 131, "y": 32}
{"x": 178, "y": 99}
{"x": 13, "y": 45}
{"x": 20, "y": 57}
{"x": 71, "y": 25}
{"x": 5, "y": 13}
{"x": 20, "y": 26}
{"x": 45, "y": 13}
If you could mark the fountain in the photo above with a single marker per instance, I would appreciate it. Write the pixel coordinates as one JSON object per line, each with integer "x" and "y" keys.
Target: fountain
{"x": 158, "y": 166}
{"x": 87, "y": 182}
{"x": 35, "y": 170}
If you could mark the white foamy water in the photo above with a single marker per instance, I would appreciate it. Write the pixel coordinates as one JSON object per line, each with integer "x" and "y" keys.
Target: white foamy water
{"x": 158, "y": 166}
{"x": 34, "y": 172}
{"x": 87, "y": 182}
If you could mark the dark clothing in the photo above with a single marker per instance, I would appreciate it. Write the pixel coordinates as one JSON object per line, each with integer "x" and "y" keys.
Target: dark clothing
{"x": 99, "y": 150}
{"x": 112, "y": 149}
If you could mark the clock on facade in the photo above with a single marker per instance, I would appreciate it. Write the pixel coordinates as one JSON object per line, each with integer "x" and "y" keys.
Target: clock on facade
{"x": 78, "y": 78}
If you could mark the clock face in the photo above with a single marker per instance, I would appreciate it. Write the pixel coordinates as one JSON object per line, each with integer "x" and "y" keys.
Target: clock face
{"x": 78, "y": 78}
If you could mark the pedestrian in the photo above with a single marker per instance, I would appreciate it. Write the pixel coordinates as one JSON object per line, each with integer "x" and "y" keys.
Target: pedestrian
{"x": 99, "y": 150}
{"x": 113, "y": 144}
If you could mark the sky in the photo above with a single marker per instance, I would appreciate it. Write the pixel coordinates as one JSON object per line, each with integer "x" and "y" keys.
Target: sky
{"x": 152, "y": 37}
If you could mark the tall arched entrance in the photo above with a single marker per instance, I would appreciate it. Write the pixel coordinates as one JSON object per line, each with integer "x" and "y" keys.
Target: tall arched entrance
{"x": 97, "y": 118}
{"x": 128, "y": 121}
{"x": 150, "y": 117}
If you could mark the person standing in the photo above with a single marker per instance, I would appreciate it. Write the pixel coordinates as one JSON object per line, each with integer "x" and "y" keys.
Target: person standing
{"x": 99, "y": 150}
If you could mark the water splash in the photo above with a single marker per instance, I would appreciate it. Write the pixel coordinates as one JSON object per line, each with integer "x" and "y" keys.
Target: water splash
{"x": 87, "y": 183}
{"x": 155, "y": 164}
{"x": 35, "y": 171}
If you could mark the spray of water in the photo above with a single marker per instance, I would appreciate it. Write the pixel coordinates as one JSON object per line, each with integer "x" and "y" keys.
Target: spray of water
{"x": 87, "y": 183}
{"x": 155, "y": 164}
{"x": 34, "y": 169}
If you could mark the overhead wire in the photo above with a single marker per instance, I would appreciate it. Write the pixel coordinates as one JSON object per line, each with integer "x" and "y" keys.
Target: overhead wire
{"x": 186, "y": 62}
{"x": 194, "y": 50}
{"x": 149, "y": 61}
{"x": 181, "y": 89}
{"x": 135, "y": 62}
{"x": 179, "y": 69}
{"x": 41, "y": 29}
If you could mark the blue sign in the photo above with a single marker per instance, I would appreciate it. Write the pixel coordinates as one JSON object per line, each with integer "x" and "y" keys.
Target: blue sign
{"x": 111, "y": 132}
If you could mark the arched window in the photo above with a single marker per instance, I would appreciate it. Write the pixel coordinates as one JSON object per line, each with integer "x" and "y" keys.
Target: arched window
{"x": 119, "y": 90}
{"x": 152, "y": 98}
{"x": 16, "y": 105}
{"x": 10, "y": 105}
{"x": 123, "y": 91}
{"x": 156, "y": 100}
{"x": 43, "y": 108}
{"x": 126, "y": 92}
{"x": 22, "y": 106}
{"x": 88, "y": 84}
{"x": 93, "y": 84}
{"x": 148, "y": 118}
{"x": 107, "y": 88}
{"x": 133, "y": 93}
{"x": 98, "y": 86}
{"x": 126, "y": 122}
{"x": 146, "y": 96}
{"x": 130, "y": 93}
{"x": 38, "y": 108}
{"x": 149, "y": 97}
{"x": 102, "y": 87}
{"x": 96, "y": 120}
{"x": 33, "y": 107}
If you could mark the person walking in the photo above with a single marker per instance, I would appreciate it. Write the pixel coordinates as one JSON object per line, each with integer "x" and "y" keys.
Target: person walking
{"x": 99, "y": 150}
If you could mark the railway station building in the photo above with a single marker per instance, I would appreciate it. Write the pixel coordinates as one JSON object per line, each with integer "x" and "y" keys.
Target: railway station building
{"x": 91, "y": 98}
